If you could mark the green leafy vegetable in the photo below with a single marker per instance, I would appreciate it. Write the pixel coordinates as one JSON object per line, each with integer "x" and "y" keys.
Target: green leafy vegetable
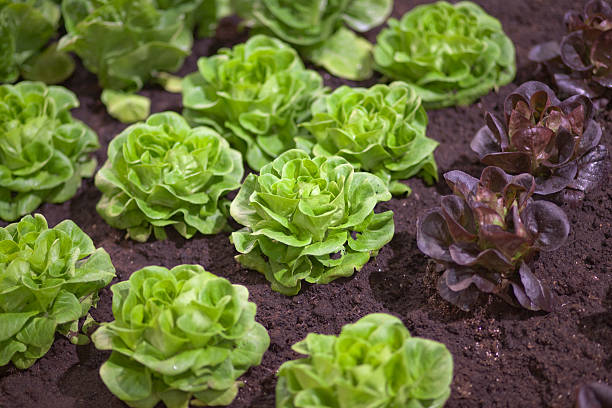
{"x": 181, "y": 335}
{"x": 163, "y": 172}
{"x": 126, "y": 42}
{"x": 26, "y": 26}
{"x": 255, "y": 95}
{"x": 43, "y": 149}
{"x": 309, "y": 219}
{"x": 380, "y": 130}
{"x": 317, "y": 29}
{"x": 372, "y": 363}
{"x": 126, "y": 107}
{"x": 49, "y": 279}
{"x": 451, "y": 54}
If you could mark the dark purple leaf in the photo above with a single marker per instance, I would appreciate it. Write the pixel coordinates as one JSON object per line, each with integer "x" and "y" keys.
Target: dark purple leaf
{"x": 544, "y": 52}
{"x": 512, "y": 162}
{"x": 459, "y": 218}
{"x": 490, "y": 259}
{"x": 464, "y": 299}
{"x": 508, "y": 243}
{"x": 520, "y": 188}
{"x": 524, "y": 92}
{"x": 433, "y": 236}
{"x": 592, "y": 169}
{"x": 579, "y": 109}
{"x": 494, "y": 179}
{"x": 484, "y": 142}
{"x": 594, "y": 395}
{"x": 573, "y": 20}
{"x": 498, "y": 129}
{"x": 533, "y": 140}
{"x": 565, "y": 146}
{"x": 590, "y": 138}
{"x": 560, "y": 179}
{"x": 458, "y": 279}
{"x": 571, "y": 86}
{"x": 575, "y": 53}
{"x": 531, "y": 294}
{"x": 548, "y": 223}
{"x": 598, "y": 8}
{"x": 461, "y": 183}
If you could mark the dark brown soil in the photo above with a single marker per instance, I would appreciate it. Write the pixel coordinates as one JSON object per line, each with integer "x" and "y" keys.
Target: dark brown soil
{"x": 504, "y": 357}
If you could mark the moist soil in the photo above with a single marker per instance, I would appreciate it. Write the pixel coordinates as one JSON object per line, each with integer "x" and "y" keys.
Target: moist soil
{"x": 503, "y": 356}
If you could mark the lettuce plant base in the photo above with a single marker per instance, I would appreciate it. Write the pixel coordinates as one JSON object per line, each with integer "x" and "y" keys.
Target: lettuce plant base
{"x": 504, "y": 357}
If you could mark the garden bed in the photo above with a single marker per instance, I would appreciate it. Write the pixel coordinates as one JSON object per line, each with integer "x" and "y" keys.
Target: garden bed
{"x": 504, "y": 357}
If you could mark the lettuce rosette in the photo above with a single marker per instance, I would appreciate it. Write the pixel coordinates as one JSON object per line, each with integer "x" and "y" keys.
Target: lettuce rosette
{"x": 309, "y": 219}
{"x": 49, "y": 279}
{"x": 44, "y": 151}
{"x": 181, "y": 336}
{"x": 380, "y": 130}
{"x": 255, "y": 94}
{"x": 451, "y": 54}
{"x": 164, "y": 173}
{"x": 374, "y": 362}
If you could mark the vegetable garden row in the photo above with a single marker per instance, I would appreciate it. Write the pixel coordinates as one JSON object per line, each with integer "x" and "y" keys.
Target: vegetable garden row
{"x": 318, "y": 164}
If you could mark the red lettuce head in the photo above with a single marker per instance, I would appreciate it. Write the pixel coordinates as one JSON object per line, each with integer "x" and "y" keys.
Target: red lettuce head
{"x": 557, "y": 142}
{"x": 486, "y": 235}
{"x": 582, "y": 62}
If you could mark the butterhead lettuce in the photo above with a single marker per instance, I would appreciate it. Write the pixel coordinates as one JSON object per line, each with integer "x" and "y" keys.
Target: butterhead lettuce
{"x": 379, "y": 129}
{"x": 49, "y": 279}
{"x": 44, "y": 151}
{"x": 164, "y": 173}
{"x": 256, "y": 94}
{"x": 451, "y": 54}
{"x": 179, "y": 336}
{"x": 372, "y": 363}
{"x": 309, "y": 219}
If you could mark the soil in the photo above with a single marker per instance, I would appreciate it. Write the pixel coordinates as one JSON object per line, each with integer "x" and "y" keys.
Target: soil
{"x": 504, "y": 357}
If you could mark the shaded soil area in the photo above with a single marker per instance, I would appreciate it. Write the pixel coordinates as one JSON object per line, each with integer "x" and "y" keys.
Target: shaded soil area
{"x": 504, "y": 357}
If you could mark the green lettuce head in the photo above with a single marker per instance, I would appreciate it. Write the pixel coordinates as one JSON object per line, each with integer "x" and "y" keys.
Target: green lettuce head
{"x": 255, "y": 95}
{"x": 372, "y": 363}
{"x": 125, "y": 42}
{"x": 26, "y": 26}
{"x": 451, "y": 54}
{"x": 309, "y": 219}
{"x": 163, "y": 172}
{"x": 44, "y": 151}
{"x": 49, "y": 279}
{"x": 380, "y": 130}
{"x": 317, "y": 29}
{"x": 180, "y": 336}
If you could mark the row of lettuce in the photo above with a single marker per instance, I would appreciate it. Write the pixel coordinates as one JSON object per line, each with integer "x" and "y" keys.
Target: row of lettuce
{"x": 450, "y": 54}
{"x": 185, "y": 336}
